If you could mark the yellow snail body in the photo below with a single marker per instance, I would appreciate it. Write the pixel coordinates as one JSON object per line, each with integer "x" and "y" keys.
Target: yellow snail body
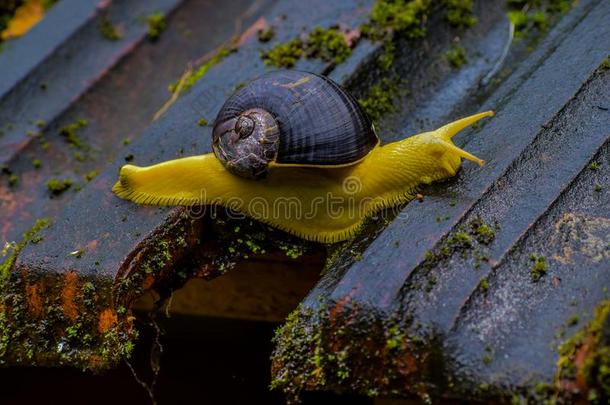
{"x": 315, "y": 199}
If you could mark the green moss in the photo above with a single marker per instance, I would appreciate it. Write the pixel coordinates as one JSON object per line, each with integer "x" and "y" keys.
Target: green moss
{"x": 198, "y": 74}
{"x": 386, "y": 58}
{"x": 400, "y": 17}
{"x": 483, "y": 284}
{"x": 156, "y": 25}
{"x": 594, "y": 166}
{"x": 108, "y": 30}
{"x": 459, "y": 13}
{"x": 518, "y": 18}
{"x": 202, "y": 122}
{"x": 534, "y": 16}
{"x": 482, "y": 232}
{"x": 292, "y": 251}
{"x": 598, "y": 188}
{"x": 319, "y": 349}
{"x": 540, "y": 19}
{"x": 573, "y": 320}
{"x": 266, "y": 35}
{"x": 13, "y": 180}
{"x": 284, "y": 55}
{"x": 328, "y": 45}
{"x": 37, "y": 163}
{"x": 379, "y": 99}
{"x": 40, "y": 124}
{"x": 70, "y": 133}
{"x": 591, "y": 344}
{"x": 58, "y": 186}
{"x": 456, "y": 56}
{"x": 396, "y": 338}
{"x": 11, "y": 250}
{"x": 539, "y": 267}
{"x": 605, "y": 65}
{"x": 91, "y": 175}
{"x": 460, "y": 240}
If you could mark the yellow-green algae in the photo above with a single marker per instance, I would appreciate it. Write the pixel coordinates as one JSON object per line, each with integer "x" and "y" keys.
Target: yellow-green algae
{"x": 58, "y": 186}
{"x": 194, "y": 76}
{"x": 328, "y": 45}
{"x": 539, "y": 267}
{"x": 529, "y": 16}
{"x": 586, "y": 355}
{"x": 70, "y": 133}
{"x": 266, "y": 35}
{"x": 335, "y": 348}
{"x": 456, "y": 56}
{"x": 12, "y": 249}
{"x": 108, "y": 30}
{"x": 156, "y": 25}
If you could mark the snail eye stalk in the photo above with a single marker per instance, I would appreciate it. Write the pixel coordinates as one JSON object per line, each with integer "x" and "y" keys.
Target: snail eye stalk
{"x": 244, "y": 126}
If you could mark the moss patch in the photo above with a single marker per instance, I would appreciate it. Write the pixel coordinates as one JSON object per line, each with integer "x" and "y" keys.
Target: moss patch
{"x": 194, "y": 76}
{"x": 331, "y": 348}
{"x": 585, "y": 357}
{"x": 108, "y": 30}
{"x": 456, "y": 56}
{"x": 284, "y": 55}
{"x": 459, "y": 13}
{"x": 266, "y": 35}
{"x": 328, "y": 45}
{"x": 12, "y": 249}
{"x": 58, "y": 186}
{"x": 401, "y": 17}
{"x": 531, "y": 17}
{"x": 156, "y": 25}
{"x": 379, "y": 99}
{"x": 539, "y": 267}
{"x": 70, "y": 133}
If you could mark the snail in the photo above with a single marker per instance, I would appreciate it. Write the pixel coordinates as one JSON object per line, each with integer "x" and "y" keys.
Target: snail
{"x": 295, "y": 150}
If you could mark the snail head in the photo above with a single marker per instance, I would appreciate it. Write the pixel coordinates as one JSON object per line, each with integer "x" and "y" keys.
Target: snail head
{"x": 247, "y": 143}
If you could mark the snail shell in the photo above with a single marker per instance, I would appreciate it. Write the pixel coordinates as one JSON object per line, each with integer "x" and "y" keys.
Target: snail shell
{"x": 291, "y": 118}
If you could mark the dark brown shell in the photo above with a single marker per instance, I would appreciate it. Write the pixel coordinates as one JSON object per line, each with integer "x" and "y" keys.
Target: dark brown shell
{"x": 319, "y": 124}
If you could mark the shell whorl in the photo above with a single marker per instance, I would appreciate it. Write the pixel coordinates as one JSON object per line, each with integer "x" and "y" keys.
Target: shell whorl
{"x": 299, "y": 119}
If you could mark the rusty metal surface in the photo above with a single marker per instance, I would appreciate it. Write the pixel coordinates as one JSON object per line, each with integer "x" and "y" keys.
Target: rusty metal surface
{"x": 118, "y": 243}
{"x": 534, "y": 190}
{"x": 538, "y": 194}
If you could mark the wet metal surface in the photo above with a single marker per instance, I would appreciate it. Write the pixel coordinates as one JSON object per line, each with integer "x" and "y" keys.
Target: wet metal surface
{"x": 536, "y": 192}
{"x": 115, "y": 240}
{"x": 118, "y": 107}
{"x": 540, "y": 196}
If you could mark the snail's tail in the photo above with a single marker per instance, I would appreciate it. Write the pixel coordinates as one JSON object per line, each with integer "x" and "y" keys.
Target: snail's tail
{"x": 446, "y": 132}
{"x": 188, "y": 181}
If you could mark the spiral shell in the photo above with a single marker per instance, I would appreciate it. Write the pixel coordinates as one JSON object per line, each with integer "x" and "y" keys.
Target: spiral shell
{"x": 291, "y": 118}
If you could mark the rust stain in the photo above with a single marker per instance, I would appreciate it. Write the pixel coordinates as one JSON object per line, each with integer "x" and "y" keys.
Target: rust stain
{"x": 337, "y": 309}
{"x": 407, "y": 365}
{"x": 107, "y": 320}
{"x": 33, "y": 299}
{"x": 95, "y": 361}
{"x": 148, "y": 282}
{"x": 580, "y": 358}
{"x": 91, "y": 246}
{"x": 68, "y": 294}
